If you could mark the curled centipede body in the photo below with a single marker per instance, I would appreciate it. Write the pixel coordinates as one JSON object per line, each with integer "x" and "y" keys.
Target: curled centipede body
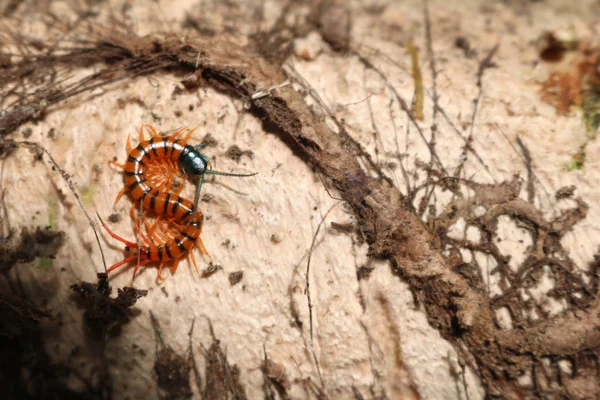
{"x": 181, "y": 218}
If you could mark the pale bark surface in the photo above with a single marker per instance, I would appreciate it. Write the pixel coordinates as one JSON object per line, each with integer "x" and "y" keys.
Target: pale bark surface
{"x": 402, "y": 323}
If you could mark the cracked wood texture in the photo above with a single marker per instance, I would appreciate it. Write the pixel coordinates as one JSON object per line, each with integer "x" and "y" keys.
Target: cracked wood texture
{"x": 416, "y": 228}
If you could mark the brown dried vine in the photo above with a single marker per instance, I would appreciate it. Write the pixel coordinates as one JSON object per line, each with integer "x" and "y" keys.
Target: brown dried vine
{"x": 451, "y": 289}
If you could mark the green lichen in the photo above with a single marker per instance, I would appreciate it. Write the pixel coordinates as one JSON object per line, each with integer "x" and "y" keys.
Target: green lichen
{"x": 45, "y": 263}
{"x": 577, "y": 161}
{"x": 87, "y": 195}
{"x": 52, "y": 212}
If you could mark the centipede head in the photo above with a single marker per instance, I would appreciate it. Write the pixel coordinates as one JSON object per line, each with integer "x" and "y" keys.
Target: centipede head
{"x": 192, "y": 162}
{"x": 195, "y": 165}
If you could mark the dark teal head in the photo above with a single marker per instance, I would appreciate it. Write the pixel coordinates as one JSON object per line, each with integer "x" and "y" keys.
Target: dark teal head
{"x": 193, "y": 163}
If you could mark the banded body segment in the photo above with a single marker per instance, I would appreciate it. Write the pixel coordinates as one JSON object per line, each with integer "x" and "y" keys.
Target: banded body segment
{"x": 145, "y": 154}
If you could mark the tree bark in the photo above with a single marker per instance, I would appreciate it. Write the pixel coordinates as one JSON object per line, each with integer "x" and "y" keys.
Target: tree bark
{"x": 422, "y": 224}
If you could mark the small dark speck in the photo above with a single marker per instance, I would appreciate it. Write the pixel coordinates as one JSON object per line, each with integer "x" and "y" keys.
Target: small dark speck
{"x": 177, "y": 113}
{"x": 27, "y": 132}
{"x": 207, "y": 198}
{"x": 276, "y": 239}
{"x": 346, "y": 228}
{"x": 177, "y": 299}
{"x": 209, "y": 140}
{"x": 211, "y": 269}
{"x": 114, "y": 218}
{"x": 235, "y": 153}
{"x": 551, "y": 48}
{"x": 364, "y": 272}
{"x": 235, "y": 277}
{"x": 162, "y": 289}
{"x": 463, "y": 44}
{"x": 565, "y": 192}
{"x": 191, "y": 107}
{"x": 156, "y": 117}
{"x": 52, "y": 133}
{"x": 226, "y": 243}
{"x": 177, "y": 91}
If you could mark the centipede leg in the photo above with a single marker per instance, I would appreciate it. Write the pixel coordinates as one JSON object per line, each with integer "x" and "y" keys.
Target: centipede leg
{"x": 141, "y": 136}
{"x": 156, "y": 235}
{"x": 162, "y": 184}
{"x": 117, "y": 237}
{"x": 191, "y": 257}
{"x": 176, "y": 134}
{"x": 151, "y": 129}
{"x": 160, "y": 268}
{"x": 176, "y": 225}
{"x": 135, "y": 219}
{"x": 173, "y": 267}
{"x": 136, "y": 216}
{"x": 116, "y": 164}
{"x": 121, "y": 193}
{"x": 172, "y": 165}
{"x": 187, "y": 135}
{"x": 156, "y": 182}
{"x": 139, "y": 231}
{"x": 122, "y": 262}
{"x": 151, "y": 228}
{"x": 166, "y": 234}
{"x": 129, "y": 147}
{"x": 203, "y": 248}
{"x": 137, "y": 268}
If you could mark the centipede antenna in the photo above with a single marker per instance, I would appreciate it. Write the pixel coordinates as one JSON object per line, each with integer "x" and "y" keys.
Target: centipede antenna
{"x": 197, "y": 198}
{"x": 213, "y": 172}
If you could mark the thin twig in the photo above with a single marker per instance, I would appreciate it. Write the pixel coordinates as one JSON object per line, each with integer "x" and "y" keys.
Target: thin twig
{"x": 65, "y": 176}
{"x": 307, "y": 289}
{"x": 483, "y": 65}
{"x": 403, "y": 105}
{"x": 527, "y": 160}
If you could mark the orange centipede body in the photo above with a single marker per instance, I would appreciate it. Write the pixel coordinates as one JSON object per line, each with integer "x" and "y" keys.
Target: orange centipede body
{"x": 154, "y": 195}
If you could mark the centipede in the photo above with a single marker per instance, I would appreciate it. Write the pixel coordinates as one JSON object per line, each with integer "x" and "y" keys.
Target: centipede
{"x": 149, "y": 174}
